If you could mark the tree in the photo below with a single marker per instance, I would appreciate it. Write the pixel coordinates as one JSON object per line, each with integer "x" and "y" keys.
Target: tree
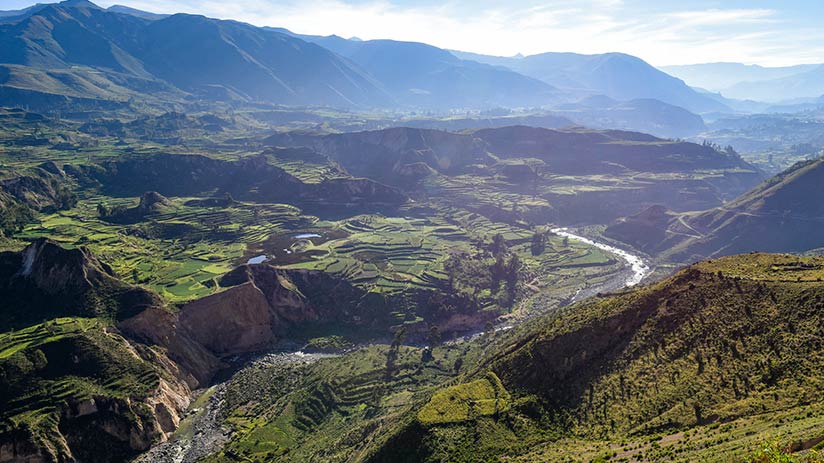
{"x": 102, "y": 210}
{"x": 434, "y": 337}
{"x": 538, "y": 245}
{"x": 498, "y": 245}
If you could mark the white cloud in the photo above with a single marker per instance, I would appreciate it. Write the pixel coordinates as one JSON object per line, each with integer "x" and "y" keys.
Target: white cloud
{"x": 755, "y": 35}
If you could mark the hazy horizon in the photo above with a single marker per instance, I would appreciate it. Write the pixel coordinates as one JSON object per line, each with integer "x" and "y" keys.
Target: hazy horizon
{"x": 663, "y": 33}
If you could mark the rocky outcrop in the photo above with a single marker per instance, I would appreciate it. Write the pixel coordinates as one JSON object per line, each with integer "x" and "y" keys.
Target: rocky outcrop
{"x": 237, "y": 320}
{"x": 261, "y": 303}
{"x": 54, "y": 269}
{"x": 190, "y": 360}
{"x": 44, "y": 188}
{"x": 151, "y": 201}
{"x": 46, "y": 280}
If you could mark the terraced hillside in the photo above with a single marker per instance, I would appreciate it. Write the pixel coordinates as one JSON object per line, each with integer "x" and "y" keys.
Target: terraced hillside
{"x": 721, "y": 362}
{"x": 539, "y": 175}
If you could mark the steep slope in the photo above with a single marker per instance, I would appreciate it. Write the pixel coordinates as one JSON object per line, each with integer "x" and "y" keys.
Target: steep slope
{"x": 716, "y": 343}
{"x": 782, "y": 214}
{"x": 617, "y": 75}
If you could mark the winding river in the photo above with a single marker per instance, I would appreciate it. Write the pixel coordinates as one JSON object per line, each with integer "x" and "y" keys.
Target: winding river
{"x": 639, "y": 268}
{"x": 207, "y": 433}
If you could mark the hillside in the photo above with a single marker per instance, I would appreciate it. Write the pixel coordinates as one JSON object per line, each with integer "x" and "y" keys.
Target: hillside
{"x": 780, "y": 215}
{"x": 641, "y": 115}
{"x": 703, "y": 366}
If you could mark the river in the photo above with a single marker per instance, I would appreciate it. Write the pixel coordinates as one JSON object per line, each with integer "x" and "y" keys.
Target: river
{"x": 639, "y": 268}
{"x": 207, "y": 433}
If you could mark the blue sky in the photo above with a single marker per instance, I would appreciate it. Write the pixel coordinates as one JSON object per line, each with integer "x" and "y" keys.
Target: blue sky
{"x": 663, "y": 32}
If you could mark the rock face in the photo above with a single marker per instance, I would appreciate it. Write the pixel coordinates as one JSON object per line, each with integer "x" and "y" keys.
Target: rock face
{"x": 121, "y": 398}
{"x": 140, "y": 359}
{"x": 47, "y": 280}
{"x": 42, "y": 188}
{"x": 262, "y": 302}
{"x": 193, "y": 362}
{"x": 141, "y": 383}
{"x": 237, "y": 320}
{"x": 54, "y": 269}
{"x": 151, "y": 201}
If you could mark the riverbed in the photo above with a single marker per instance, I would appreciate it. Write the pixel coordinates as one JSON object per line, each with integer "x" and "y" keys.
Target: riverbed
{"x": 636, "y": 264}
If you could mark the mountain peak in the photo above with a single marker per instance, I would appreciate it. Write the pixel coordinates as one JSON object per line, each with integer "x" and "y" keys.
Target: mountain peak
{"x": 79, "y": 4}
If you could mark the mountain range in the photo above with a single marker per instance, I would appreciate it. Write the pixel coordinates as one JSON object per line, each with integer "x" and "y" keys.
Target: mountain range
{"x": 753, "y": 82}
{"x": 617, "y": 75}
{"x": 77, "y": 50}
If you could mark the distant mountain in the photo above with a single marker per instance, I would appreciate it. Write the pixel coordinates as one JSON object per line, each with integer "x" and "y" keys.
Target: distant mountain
{"x": 422, "y": 75}
{"x": 807, "y": 84}
{"x": 77, "y": 50}
{"x": 139, "y": 13}
{"x": 783, "y": 214}
{"x": 617, "y": 75}
{"x": 721, "y": 76}
{"x": 196, "y": 53}
{"x": 75, "y": 42}
{"x": 642, "y": 115}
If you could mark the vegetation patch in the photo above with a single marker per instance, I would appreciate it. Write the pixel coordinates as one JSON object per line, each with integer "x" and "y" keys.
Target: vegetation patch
{"x": 465, "y": 402}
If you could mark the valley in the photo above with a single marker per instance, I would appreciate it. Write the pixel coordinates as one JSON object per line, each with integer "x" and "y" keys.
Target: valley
{"x": 225, "y": 242}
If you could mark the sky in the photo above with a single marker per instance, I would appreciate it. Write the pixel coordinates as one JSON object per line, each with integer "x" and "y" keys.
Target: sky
{"x": 663, "y": 32}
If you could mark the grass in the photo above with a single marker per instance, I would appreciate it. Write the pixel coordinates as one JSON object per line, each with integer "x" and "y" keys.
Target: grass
{"x": 48, "y": 368}
{"x": 33, "y": 336}
{"x": 463, "y": 402}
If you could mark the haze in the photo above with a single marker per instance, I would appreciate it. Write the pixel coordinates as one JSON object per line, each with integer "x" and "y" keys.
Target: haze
{"x": 769, "y": 33}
